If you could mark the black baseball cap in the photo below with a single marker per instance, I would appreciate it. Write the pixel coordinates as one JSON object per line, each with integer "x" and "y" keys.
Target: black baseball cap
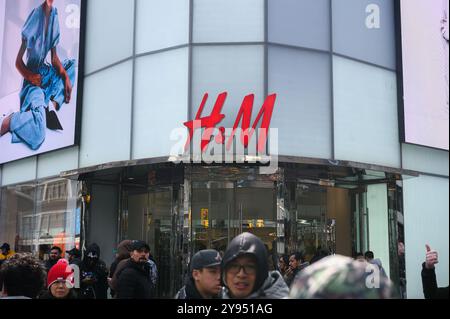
{"x": 206, "y": 258}
{"x": 5, "y": 246}
{"x": 74, "y": 252}
{"x": 139, "y": 245}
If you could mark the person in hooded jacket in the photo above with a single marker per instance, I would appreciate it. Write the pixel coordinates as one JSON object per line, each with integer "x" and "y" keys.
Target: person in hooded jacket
{"x": 123, "y": 253}
{"x": 94, "y": 284}
{"x": 246, "y": 274}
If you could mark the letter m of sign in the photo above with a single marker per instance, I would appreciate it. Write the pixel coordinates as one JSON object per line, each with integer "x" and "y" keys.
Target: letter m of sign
{"x": 245, "y": 114}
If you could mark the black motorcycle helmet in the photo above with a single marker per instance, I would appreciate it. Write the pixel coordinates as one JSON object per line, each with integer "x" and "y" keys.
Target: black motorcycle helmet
{"x": 248, "y": 244}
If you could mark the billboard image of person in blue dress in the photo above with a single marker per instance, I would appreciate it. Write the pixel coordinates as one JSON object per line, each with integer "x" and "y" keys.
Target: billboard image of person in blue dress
{"x": 45, "y": 86}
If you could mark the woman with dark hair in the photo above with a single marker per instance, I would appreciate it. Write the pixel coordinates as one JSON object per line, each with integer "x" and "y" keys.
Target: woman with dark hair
{"x": 22, "y": 277}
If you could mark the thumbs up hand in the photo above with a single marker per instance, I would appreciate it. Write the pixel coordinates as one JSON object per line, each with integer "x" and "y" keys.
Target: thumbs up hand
{"x": 431, "y": 258}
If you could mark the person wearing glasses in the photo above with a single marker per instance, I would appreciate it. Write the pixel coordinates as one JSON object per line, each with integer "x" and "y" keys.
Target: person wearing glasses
{"x": 246, "y": 273}
{"x": 60, "y": 282}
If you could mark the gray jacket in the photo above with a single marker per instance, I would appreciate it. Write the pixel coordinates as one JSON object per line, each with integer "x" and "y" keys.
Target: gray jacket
{"x": 273, "y": 287}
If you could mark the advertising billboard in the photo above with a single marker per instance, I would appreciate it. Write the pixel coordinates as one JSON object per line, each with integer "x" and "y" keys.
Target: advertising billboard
{"x": 40, "y": 64}
{"x": 424, "y": 55}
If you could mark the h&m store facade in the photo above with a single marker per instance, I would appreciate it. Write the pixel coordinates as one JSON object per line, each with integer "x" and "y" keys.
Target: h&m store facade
{"x": 346, "y": 178}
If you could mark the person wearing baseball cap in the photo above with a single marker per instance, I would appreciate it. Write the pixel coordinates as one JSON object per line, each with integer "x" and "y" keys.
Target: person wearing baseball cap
{"x": 203, "y": 281}
{"x": 74, "y": 256}
{"x": 133, "y": 280}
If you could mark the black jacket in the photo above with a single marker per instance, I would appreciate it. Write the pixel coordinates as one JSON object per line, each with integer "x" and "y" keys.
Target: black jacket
{"x": 75, "y": 261}
{"x": 189, "y": 291}
{"x": 134, "y": 281}
{"x": 49, "y": 263}
{"x": 94, "y": 268}
{"x": 47, "y": 295}
{"x": 429, "y": 283}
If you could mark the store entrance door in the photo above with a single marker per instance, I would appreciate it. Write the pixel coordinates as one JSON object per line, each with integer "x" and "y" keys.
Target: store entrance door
{"x": 222, "y": 210}
{"x": 148, "y": 214}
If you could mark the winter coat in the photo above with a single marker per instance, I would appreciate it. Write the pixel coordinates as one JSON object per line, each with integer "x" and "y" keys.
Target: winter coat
{"x": 429, "y": 283}
{"x": 49, "y": 263}
{"x": 94, "y": 268}
{"x": 47, "y": 295}
{"x": 118, "y": 269}
{"x": 134, "y": 282}
{"x": 123, "y": 253}
{"x": 267, "y": 284}
{"x": 75, "y": 261}
{"x": 290, "y": 278}
{"x": 7, "y": 256}
{"x": 273, "y": 287}
{"x": 189, "y": 291}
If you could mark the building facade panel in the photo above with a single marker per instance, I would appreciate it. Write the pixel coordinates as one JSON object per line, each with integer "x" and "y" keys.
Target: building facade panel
{"x": 161, "y": 24}
{"x": 110, "y": 35}
{"x": 365, "y": 113}
{"x": 106, "y": 122}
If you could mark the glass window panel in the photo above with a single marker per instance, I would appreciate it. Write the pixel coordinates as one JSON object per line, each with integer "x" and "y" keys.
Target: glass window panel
{"x": 19, "y": 171}
{"x": 106, "y": 116}
{"x": 110, "y": 35}
{"x": 300, "y": 22}
{"x": 56, "y": 216}
{"x": 17, "y": 222}
{"x": 356, "y": 37}
{"x": 238, "y": 70}
{"x": 302, "y": 111}
{"x": 365, "y": 114}
{"x": 228, "y": 20}
{"x": 160, "y": 102}
{"x": 161, "y": 24}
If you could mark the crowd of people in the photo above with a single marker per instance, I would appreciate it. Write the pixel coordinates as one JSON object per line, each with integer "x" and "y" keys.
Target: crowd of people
{"x": 241, "y": 272}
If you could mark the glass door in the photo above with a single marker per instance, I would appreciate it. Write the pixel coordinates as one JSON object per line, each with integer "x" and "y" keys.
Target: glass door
{"x": 213, "y": 211}
{"x": 148, "y": 214}
{"x": 222, "y": 209}
{"x": 257, "y": 214}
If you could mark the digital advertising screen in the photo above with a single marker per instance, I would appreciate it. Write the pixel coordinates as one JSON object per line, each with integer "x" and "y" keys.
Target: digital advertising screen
{"x": 424, "y": 56}
{"x": 40, "y": 63}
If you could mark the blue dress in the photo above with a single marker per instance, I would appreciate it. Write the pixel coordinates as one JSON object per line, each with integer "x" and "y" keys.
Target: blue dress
{"x": 28, "y": 126}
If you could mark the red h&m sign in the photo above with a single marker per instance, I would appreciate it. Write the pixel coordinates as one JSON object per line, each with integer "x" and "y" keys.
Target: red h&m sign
{"x": 210, "y": 122}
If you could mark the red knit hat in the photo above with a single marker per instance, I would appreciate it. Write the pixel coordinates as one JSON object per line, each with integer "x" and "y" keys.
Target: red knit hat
{"x": 60, "y": 271}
